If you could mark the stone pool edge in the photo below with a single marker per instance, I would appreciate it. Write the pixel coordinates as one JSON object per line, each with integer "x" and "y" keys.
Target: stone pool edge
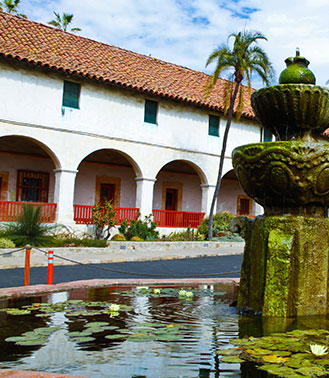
{"x": 21, "y": 291}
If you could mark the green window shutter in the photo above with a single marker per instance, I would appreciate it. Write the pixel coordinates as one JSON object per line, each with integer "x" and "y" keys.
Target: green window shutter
{"x": 150, "y": 114}
{"x": 213, "y": 125}
{"x": 267, "y": 135}
{"x": 71, "y": 94}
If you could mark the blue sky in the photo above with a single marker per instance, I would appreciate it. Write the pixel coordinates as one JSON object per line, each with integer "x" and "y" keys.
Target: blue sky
{"x": 185, "y": 32}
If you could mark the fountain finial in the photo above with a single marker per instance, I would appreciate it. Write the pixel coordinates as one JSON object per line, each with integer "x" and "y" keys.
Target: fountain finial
{"x": 297, "y": 71}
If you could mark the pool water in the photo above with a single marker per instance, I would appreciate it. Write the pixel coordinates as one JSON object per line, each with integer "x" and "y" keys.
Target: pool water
{"x": 163, "y": 333}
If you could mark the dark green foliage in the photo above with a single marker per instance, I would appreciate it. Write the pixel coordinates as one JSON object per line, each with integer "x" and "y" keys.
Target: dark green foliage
{"x": 145, "y": 229}
{"x": 221, "y": 223}
{"x": 29, "y": 229}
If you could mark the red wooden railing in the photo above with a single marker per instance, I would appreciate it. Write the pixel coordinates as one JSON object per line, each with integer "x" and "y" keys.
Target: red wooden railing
{"x": 10, "y": 211}
{"x": 83, "y": 214}
{"x": 183, "y": 219}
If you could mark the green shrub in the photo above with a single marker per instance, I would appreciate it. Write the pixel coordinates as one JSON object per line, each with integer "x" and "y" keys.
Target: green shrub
{"x": 136, "y": 238}
{"x": 104, "y": 218}
{"x": 187, "y": 235}
{"x": 29, "y": 229}
{"x": 144, "y": 229}
{"x": 118, "y": 237}
{"x": 6, "y": 243}
{"x": 221, "y": 222}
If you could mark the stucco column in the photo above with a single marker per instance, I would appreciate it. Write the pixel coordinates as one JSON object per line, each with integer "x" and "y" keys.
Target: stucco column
{"x": 64, "y": 195}
{"x": 144, "y": 195}
{"x": 207, "y": 195}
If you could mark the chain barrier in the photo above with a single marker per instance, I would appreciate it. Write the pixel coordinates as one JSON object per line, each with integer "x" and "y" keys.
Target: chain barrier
{"x": 10, "y": 252}
{"x": 139, "y": 274}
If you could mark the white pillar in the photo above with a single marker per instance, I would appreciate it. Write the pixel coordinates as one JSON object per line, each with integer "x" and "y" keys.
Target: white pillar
{"x": 64, "y": 195}
{"x": 207, "y": 195}
{"x": 144, "y": 195}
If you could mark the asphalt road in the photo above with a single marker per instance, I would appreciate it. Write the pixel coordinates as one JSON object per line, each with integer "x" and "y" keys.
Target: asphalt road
{"x": 197, "y": 268}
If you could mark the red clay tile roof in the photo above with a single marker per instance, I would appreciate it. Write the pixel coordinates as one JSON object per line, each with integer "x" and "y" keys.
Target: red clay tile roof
{"x": 42, "y": 45}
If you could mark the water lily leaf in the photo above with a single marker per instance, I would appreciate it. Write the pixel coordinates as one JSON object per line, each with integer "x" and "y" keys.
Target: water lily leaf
{"x": 274, "y": 359}
{"x": 74, "y": 301}
{"x": 83, "y": 339}
{"x": 107, "y": 328}
{"x": 46, "y": 330}
{"x": 312, "y": 371}
{"x": 240, "y": 342}
{"x": 32, "y": 342}
{"x": 15, "y": 339}
{"x": 259, "y": 351}
{"x": 232, "y": 359}
{"x": 229, "y": 352}
{"x": 18, "y": 312}
{"x": 116, "y": 336}
{"x": 96, "y": 324}
{"x": 79, "y": 333}
{"x": 280, "y": 371}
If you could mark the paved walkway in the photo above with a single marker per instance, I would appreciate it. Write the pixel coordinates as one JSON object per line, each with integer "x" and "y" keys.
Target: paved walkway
{"x": 122, "y": 252}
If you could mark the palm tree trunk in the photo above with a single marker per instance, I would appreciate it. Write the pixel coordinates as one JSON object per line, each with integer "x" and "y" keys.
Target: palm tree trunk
{"x": 222, "y": 158}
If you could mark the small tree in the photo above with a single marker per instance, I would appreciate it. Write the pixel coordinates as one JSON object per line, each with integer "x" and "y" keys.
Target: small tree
{"x": 62, "y": 22}
{"x": 103, "y": 217}
{"x": 11, "y": 6}
{"x": 29, "y": 230}
{"x": 240, "y": 61}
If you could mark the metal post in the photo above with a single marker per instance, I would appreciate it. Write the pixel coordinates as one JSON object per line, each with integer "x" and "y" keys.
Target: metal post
{"x": 50, "y": 267}
{"x": 27, "y": 265}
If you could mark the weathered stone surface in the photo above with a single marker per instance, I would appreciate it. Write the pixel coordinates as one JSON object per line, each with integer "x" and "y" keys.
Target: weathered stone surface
{"x": 285, "y": 267}
{"x": 292, "y": 111}
{"x": 285, "y": 177}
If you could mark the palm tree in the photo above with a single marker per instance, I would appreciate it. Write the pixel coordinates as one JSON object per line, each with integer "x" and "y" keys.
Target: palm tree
{"x": 10, "y": 6}
{"x": 241, "y": 61}
{"x": 62, "y": 22}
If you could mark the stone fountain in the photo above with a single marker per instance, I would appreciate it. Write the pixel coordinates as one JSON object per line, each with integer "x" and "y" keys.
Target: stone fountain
{"x": 286, "y": 259}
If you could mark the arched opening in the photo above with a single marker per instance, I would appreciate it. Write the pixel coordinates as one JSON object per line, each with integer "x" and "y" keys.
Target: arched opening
{"x": 26, "y": 175}
{"x": 232, "y": 197}
{"x": 177, "y": 197}
{"x": 105, "y": 175}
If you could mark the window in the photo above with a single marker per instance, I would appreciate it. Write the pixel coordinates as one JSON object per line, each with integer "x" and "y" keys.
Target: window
{"x": 151, "y": 109}
{"x": 213, "y": 125}
{"x": 266, "y": 135}
{"x": 32, "y": 186}
{"x": 71, "y": 94}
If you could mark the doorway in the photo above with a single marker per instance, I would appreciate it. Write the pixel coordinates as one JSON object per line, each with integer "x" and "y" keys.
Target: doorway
{"x": 171, "y": 199}
{"x": 107, "y": 193}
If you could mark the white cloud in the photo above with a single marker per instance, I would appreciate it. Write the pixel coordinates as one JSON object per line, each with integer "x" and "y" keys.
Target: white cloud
{"x": 186, "y": 31}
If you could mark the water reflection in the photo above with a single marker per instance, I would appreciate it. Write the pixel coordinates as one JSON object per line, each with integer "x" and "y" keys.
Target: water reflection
{"x": 207, "y": 324}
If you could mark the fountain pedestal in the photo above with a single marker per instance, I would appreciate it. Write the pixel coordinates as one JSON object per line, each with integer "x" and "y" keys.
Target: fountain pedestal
{"x": 285, "y": 266}
{"x": 286, "y": 259}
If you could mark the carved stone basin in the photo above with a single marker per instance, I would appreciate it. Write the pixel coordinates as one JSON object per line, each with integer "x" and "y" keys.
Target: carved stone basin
{"x": 285, "y": 176}
{"x": 292, "y": 111}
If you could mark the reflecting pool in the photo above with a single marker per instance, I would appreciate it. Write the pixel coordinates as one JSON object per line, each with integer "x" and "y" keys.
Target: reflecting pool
{"x": 126, "y": 332}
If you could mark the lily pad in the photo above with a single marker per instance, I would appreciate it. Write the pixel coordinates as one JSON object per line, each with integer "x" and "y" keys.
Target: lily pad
{"x": 232, "y": 359}
{"x": 116, "y": 336}
{"x": 96, "y": 324}
{"x": 229, "y": 352}
{"x": 79, "y": 333}
{"x": 83, "y": 339}
{"x": 32, "y": 342}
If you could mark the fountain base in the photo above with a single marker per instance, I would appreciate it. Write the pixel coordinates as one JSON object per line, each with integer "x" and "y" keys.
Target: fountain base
{"x": 285, "y": 266}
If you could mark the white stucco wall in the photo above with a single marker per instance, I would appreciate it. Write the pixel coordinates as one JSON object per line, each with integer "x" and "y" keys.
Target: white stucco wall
{"x": 85, "y": 184}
